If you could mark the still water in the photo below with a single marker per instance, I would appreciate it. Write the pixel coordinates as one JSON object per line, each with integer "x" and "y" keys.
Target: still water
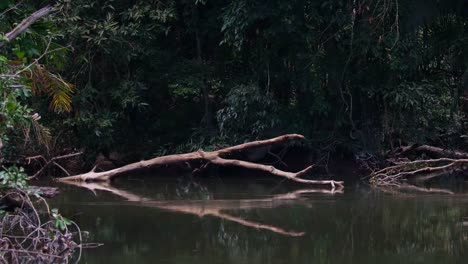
{"x": 181, "y": 220}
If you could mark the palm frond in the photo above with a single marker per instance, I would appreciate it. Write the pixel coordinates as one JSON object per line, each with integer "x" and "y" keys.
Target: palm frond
{"x": 60, "y": 91}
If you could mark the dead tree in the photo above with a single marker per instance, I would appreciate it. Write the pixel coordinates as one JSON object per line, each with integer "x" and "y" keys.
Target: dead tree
{"x": 218, "y": 157}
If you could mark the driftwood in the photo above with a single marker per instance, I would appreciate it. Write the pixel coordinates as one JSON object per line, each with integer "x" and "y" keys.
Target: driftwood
{"x": 218, "y": 157}
{"x": 214, "y": 208}
{"x": 418, "y": 170}
{"x": 442, "y": 162}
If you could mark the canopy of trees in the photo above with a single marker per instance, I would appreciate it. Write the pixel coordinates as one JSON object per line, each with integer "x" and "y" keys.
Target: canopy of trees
{"x": 146, "y": 77}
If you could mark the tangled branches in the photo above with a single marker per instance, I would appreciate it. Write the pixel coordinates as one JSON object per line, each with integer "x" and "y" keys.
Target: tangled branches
{"x": 419, "y": 170}
{"x": 31, "y": 236}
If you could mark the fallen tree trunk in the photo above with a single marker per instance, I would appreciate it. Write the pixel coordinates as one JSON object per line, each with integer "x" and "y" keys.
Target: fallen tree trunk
{"x": 218, "y": 157}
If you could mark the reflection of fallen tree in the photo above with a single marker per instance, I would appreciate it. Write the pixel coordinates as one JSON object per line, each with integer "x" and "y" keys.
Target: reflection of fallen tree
{"x": 218, "y": 157}
{"x": 411, "y": 189}
{"x": 215, "y": 208}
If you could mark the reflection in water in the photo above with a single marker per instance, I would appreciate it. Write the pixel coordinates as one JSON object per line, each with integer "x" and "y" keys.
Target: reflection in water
{"x": 214, "y": 207}
{"x": 360, "y": 225}
{"x": 412, "y": 189}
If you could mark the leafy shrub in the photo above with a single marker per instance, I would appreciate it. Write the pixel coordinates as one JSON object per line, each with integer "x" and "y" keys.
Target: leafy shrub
{"x": 248, "y": 113}
{"x": 13, "y": 177}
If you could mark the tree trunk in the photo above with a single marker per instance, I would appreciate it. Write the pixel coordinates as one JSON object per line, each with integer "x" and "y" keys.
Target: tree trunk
{"x": 218, "y": 157}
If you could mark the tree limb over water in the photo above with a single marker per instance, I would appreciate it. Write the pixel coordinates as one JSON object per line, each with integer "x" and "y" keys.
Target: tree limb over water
{"x": 218, "y": 157}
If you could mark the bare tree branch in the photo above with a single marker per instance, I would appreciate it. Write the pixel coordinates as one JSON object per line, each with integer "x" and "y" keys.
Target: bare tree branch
{"x": 25, "y": 24}
{"x": 53, "y": 162}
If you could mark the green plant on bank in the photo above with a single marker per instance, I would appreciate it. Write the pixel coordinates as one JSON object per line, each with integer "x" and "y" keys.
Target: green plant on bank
{"x": 28, "y": 87}
{"x": 16, "y": 115}
{"x": 25, "y": 222}
{"x": 60, "y": 221}
{"x": 29, "y": 83}
{"x": 13, "y": 177}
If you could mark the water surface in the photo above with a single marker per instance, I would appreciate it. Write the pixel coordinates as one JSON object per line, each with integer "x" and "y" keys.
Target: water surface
{"x": 178, "y": 220}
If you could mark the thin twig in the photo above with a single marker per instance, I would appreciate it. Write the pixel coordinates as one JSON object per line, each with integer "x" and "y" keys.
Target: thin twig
{"x": 53, "y": 161}
{"x": 11, "y": 8}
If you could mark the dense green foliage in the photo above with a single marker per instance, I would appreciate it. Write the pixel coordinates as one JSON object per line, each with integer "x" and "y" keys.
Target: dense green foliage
{"x": 156, "y": 76}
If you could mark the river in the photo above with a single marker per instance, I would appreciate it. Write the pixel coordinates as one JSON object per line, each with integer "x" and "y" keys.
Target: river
{"x": 215, "y": 220}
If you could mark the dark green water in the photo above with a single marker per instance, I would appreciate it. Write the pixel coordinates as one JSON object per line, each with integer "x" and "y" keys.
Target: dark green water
{"x": 240, "y": 221}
